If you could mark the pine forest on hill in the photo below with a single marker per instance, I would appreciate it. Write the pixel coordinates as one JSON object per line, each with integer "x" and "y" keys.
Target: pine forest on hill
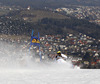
{"x": 46, "y": 22}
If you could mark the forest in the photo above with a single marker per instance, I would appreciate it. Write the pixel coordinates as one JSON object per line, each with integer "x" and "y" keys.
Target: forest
{"x": 49, "y": 26}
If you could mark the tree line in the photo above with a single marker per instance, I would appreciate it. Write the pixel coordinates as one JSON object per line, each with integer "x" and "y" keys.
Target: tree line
{"x": 49, "y": 26}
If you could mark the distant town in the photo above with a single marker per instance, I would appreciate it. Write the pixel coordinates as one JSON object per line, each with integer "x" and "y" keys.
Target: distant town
{"x": 73, "y": 46}
{"x": 92, "y": 13}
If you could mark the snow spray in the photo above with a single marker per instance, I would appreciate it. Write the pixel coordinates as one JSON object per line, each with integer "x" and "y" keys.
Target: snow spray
{"x": 15, "y": 56}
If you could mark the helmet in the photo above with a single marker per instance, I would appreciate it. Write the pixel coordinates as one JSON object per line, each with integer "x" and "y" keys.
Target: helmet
{"x": 58, "y": 52}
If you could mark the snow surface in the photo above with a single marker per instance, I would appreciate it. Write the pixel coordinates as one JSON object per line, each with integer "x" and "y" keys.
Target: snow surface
{"x": 49, "y": 76}
{"x": 17, "y": 67}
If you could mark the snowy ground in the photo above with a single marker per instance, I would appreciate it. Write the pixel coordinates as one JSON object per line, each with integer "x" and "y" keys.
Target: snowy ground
{"x": 17, "y": 67}
{"x": 51, "y": 76}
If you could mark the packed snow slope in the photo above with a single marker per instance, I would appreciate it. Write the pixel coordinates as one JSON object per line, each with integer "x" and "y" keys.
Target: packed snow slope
{"x": 49, "y": 76}
{"x": 18, "y": 67}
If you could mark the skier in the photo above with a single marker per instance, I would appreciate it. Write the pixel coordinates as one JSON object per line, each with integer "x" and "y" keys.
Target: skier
{"x": 61, "y": 57}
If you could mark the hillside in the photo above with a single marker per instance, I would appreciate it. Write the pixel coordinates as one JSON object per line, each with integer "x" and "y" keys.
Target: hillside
{"x": 71, "y": 25}
{"x": 45, "y": 22}
{"x": 35, "y": 15}
{"x": 50, "y": 3}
